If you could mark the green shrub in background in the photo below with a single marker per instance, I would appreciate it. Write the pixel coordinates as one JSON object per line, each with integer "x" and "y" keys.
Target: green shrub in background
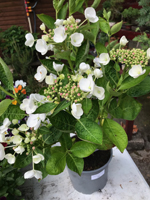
{"x": 10, "y": 180}
{"x": 19, "y": 56}
{"x": 144, "y": 18}
{"x": 130, "y": 14}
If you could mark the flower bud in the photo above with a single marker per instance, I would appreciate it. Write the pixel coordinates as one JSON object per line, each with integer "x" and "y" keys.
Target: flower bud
{"x": 42, "y": 27}
{"x": 15, "y": 121}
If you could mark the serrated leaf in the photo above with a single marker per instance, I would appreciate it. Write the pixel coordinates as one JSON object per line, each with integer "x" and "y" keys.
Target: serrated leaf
{"x": 83, "y": 149}
{"x": 60, "y": 4}
{"x": 45, "y": 108}
{"x": 63, "y": 121}
{"x": 65, "y": 55}
{"x": 100, "y": 48}
{"x": 4, "y": 105}
{"x": 61, "y": 106}
{"x": 88, "y": 35}
{"x": 94, "y": 111}
{"x": 56, "y": 164}
{"x": 131, "y": 82}
{"x": 74, "y": 163}
{"x": 111, "y": 45}
{"x": 63, "y": 12}
{"x": 71, "y": 7}
{"x": 115, "y": 28}
{"x": 104, "y": 25}
{"x": 95, "y": 3}
{"x": 23, "y": 160}
{"x": 89, "y": 131}
{"x": 115, "y": 133}
{"x": 95, "y": 30}
{"x": 47, "y": 20}
{"x": 112, "y": 92}
{"x": 66, "y": 142}
{"x": 86, "y": 105}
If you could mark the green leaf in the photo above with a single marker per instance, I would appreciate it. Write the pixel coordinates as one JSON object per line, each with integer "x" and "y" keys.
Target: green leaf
{"x": 61, "y": 106}
{"x": 111, "y": 45}
{"x": 95, "y": 30}
{"x": 56, "y": 164}
{"x": 117, "y": 67}
{"x": 115, "y": 133}
{"x": 75, "y": 164}
{"x": 89, "y": 131}
{"x": 95, "y": 3}
{"x": 63, "y": 12}
{"x": 112, "y": 92}
{"x": 88, "y": 35}
{"x": 115, "y": 28}
{"x": 4, "y": 105}
{"x": 23, "y": 160}
{"x": 100, "y": 48}
{"x": 55, "y": 4}
{"x": 65, "y": 55}
{"x": 128, "y": 108}
{"x": 71, "y": 7}
{"x": 17, "y": 192}
{"x": 104, "y": 25}
{"x": 66, "y": 141}
{"x": 7, "y": 73}
{"x": 93, "y": 113}
{"x": 78, "y": 5}
{"x": 60, "y": 4}
{"x": 107, "y": 144}
{"x": 131, "y": 82}
{"x": 63, "y": 121}
{"x": 82, "y": 52}
{"x": 45, "y": 108}
{"x": 86, "y": 105}
{"x": 47, "y": 20}
{"x": 19, "y": 181}
{"x": 83, "y": 149}
{"x": 13, "y": 112}
{"x": 116, "y": 46}
{"x": 141, "y": 89}
{"x": 50, "y": 136}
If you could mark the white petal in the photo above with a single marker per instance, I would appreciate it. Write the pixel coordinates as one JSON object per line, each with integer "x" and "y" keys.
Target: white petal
{"x": 29, "y": 40}
{"x": 104, "y": 58}
{"x": 10, "y": 158}
{"x": 90, "y": 14}
{"x": 37, "y": 174}
{"x": 41, "y": 46}
{"x": 59, "y": 34}
{"x": 58, "y": 67}
{"x": 123, "y": 41}
{"x": 2, "y": 152}
{"x": 136, "y": 71}
{"x": 99, "y": 92}
{"x": 29, "y": 174}
{"x": 77, "y": 39}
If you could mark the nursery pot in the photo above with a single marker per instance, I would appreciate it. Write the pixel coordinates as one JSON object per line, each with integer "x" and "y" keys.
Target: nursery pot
{"x": 90, "y": 181}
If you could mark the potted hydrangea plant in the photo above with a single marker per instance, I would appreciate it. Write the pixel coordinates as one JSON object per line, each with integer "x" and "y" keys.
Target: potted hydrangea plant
{"x": 82, "y": 94}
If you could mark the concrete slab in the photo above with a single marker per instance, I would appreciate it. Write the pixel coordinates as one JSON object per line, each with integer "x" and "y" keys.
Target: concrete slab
{"x": 125, "y": 182}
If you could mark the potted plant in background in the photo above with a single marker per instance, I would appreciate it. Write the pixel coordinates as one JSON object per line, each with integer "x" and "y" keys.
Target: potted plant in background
{"x": 82, "y": 95}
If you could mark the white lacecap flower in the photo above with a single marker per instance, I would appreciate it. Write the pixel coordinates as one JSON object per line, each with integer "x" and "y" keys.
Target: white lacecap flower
{"x": 77, "y": 111}
{"x": 15, "y": 131}
{"x": 97, "y": 62}
{"x": 83, "y": 67}
{"x": 2, "y": 152}
{"x": 29, "y": 40}
{"x": 77, "y": 39}
{"x": 23, "y": 127}
{"x": 99, "y": 92}
{"x": 58, "y": 67}
{"x": 51, "y": 47}
{"x": 17, "y": 139}
{"x": 42, "y": 27}
{"x": 90, "y": 14}
{"x": 19, "y": 150}
{"x": 136, "y": 71}
{"x": 28, "y": 106}
{"x": 20, "y": 82}
{"x": 5, "y": 125}
{"x": 59, "y": 22}
{"x": 59, "y": 34}
{"x": 98, "y": 73}
{"x": 104, "y": 58}
{"x": 148, "y": 53}
{"x": 33, "y": 173}
{"x": 38, "y": 158}
{"x": 27, "y": 140}
{"x": 87, "y": 84}
{"x": 50, "y": 80}
{"x": 10, "y": 158}
{"x": 123, "y": 41}
{"x": 34, "y": 120}
{"x": 41, "y": 46}
{"x": 45, "y": 37}
{"x": 2, "y": 137}
{"x": 41, "y": 73}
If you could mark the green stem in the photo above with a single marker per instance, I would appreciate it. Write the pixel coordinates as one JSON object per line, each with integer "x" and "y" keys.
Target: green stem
{"x": 11, "y": 95}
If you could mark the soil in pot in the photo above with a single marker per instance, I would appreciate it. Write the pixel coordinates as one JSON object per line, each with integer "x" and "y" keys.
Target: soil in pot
{"x": 96, "y": 160}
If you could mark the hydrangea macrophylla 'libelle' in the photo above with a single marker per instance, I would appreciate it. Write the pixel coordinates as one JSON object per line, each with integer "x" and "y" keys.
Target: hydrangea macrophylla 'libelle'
{"x": 29, "y": 40}
{"x": 38, "y": 158}
{"x": 123, "y": 41}
{"x": 50, "y": 80}
{"x": 42, "y": 27}
{"x": 59, "y": 22}
{"x": 77, "y": 111}
{"x": 5, "y": 125}
{"x": 97, "y": 62}
{"x": 33, "y": 173}
{"x": 19, "y": 150}
{"x": 58, "y": 67}
{"x": 34, "y": 120}
{"x": 83, "y": 67}
{"x": 59, "y": 34}
{"x": 90, "y": 14}
{"x": 41, "y": 73}
{"x": 77, "y": 39}
{"x": 87, "y": 84}
{"x": 98, "y": 73}
{"x": 136, "y": 71}
{"x": 99, "y": 92}
{"x": 41, "y": 46}
{"x": 2, "y": 152}
{"x": 104, "y": 58}
{"x": 10, "y": 158}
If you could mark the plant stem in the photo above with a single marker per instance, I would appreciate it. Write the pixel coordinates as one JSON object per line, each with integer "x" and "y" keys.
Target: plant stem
{"x": 11, "y": 95}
